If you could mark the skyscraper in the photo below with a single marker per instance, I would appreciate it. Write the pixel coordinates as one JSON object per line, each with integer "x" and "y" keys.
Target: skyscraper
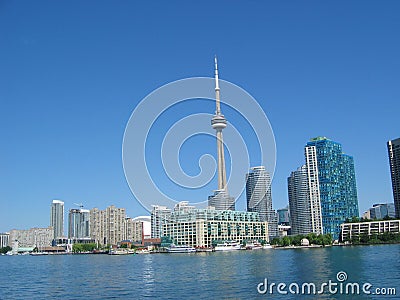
{"x": 78, "y": 227}
{"x": 394, "y": 160}
{"x": 299, "y": 203}
{"x": 331, "y": 178}
{"x": 259, "y": 198}
{"x": 221, "y": 199}
{"x": 57, "y": 218}
{"x": 314, "y": 195}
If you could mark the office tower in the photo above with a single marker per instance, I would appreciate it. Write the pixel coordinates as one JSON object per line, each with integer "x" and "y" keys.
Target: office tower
{"x": 78, "y": 226}
{"x": 221, "y": 199}
{"x": 394, "y": 161}
{"x": 57, "y": 218}
{"x": 259, "y": 198}
{"x": 159, "y": 215}
{"x": 331, "y": 178}
{"x": 300, "y": 205}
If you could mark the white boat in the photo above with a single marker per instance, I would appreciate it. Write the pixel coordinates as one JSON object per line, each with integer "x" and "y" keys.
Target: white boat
{"x": 227, "y": 246}
{"x": 121, "y": 251}
{"x": 180, "y": 249}
{"x": 267, "y": 246}
{"x": 142, "y": 251}
{"x": 254, "y": 245}
{"x": 39, "y": 253}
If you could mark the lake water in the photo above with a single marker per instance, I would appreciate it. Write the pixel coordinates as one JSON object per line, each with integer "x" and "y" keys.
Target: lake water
{"x": 230, "y": 275}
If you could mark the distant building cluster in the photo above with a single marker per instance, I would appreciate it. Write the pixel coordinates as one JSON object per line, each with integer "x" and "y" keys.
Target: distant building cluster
{"x": 104, "y": 227}
{"x": 380, "y": 211}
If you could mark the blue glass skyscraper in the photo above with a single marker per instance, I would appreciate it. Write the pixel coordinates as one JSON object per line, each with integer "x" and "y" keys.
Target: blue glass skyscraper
{"x": 336, "y": 183}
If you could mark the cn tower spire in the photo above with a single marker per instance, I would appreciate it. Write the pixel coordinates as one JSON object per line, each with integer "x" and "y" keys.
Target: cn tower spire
{"x": 218, "y": 123}
{"x": 218, "y": 105}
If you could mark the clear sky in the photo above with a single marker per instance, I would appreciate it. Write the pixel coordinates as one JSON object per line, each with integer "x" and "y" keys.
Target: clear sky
{"x": 72, "y": 72}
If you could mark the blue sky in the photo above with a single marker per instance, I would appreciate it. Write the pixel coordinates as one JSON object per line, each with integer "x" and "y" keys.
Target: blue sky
{"x": 71, "y": 73}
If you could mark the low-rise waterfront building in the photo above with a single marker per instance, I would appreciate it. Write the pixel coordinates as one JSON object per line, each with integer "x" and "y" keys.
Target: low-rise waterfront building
{"x": 204, "y": 227}
{"x": 349, "y": 231}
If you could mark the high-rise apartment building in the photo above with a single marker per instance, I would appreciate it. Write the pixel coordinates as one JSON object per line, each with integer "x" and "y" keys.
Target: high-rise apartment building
{"x": 107, "y": 226}
{"x": 300, "y": 205}
{"x": 137, "y": 229}
{"x": 159, "y": 215}
{"x": 331, "y": 178}
{"x": 394, "y": 161}
{"x": 259, "y": 197}
{"x": 57, "y": 218}
{"x": 78, "y": 225}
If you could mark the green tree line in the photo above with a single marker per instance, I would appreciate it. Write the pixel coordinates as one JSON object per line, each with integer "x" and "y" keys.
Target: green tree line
{"x": 295, "y": 240}
{"x": 383, "y": 238}
{"x": 78, "y": 248}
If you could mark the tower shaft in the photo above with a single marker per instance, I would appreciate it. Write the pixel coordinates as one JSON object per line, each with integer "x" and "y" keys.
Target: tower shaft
{"x": 218, "y": 122}
{"x": 221, "y": 162}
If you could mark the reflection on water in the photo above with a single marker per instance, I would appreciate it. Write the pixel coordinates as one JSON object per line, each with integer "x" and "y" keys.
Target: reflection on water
{"x": 198, "y": 275}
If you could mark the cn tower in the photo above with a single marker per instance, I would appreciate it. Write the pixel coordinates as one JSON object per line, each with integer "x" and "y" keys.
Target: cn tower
{"x": 218, "y": 122}
{"x": 221, "y": 199}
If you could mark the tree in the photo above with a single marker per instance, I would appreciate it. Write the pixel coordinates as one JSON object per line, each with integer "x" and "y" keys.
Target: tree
{"x": 276, "y": 241}
{"x": 285, "y": 241}
{"x": 4, "y": 250}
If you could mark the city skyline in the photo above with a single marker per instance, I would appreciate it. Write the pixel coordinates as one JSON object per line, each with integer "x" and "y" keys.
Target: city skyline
{"x": 68, "y": 87}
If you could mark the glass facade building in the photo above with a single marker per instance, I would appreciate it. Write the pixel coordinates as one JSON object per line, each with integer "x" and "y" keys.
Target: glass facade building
{"x": 78, "y": 225}
{"x": 337, "y": 184}
{"x": 259, "y": 197}
{"x": 283, "y": 216}
{"x": 380, "y": 211}
{"x": 394, "y": 161}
